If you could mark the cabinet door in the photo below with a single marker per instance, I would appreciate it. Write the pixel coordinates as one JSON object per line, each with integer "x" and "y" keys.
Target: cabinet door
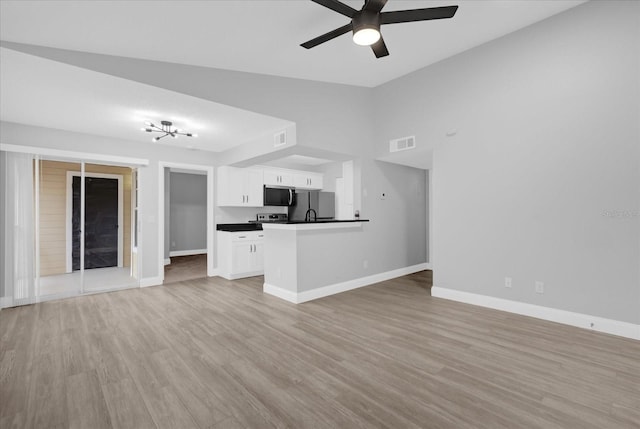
{"x": 301, "y": 181}
{"x": 307, "y": 180}
{"x": 257, "y": 256}
{"x": 242, "y": 258}
{"x": 254, "y": 188}
{"x": 278, "y": 177}
{"x": 230, "y": 187}
{"x": 315, "y": 181}
{"x": 286, "y": 179}
{"x": 271, "y": 177}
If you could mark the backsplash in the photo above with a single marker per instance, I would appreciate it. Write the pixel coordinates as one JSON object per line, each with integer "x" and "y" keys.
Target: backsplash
{"x": 243, "y": 214}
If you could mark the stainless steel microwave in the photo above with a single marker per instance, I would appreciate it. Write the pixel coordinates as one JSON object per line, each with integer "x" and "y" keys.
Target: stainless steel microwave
{"x": 279, "y": 196}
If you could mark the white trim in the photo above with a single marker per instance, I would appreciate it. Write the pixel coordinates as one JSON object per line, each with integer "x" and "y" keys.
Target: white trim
{"x": 167, "y": 261}
{"x": 69, "y": 216}
{"x": 430, "y": 218}
{"x": 210, "y": 212}
{"x": 321, "y": 292}
{"x": 36, "y": 242}
{"x": 151, "y": 281}
{"x": 311, "y": 226}
{"x": 585, "y": 321}
{"x": 242, "y": 275}
{"x": 85, "y": 156}
{"x": 278, "y": 292}
{"x": 185, "y": 171}
{"x": 188, "y": 252}
{"x": 6, "y": 301}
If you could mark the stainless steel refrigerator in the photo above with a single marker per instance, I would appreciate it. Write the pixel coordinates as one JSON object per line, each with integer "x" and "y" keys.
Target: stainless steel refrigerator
{"x": 324, "y": 204}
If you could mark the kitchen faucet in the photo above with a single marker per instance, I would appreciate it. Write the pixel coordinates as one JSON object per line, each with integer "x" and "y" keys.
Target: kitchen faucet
{"x": 307, "y": 215}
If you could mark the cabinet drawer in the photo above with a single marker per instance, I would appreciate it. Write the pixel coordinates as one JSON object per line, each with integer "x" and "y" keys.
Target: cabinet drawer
{"x": 247, "y": 236}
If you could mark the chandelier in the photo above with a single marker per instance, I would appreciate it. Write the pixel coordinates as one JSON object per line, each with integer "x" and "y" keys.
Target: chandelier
{"x": 165, "y": 129}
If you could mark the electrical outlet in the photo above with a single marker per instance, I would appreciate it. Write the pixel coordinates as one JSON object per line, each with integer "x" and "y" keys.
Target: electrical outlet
{"x": 508, "y": 281}
{"x": 365, "y": 264}
{"x": 539, "y": 287}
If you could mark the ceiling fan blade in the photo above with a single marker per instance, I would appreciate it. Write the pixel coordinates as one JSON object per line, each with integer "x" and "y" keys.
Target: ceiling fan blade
{"x": 380, "y": 49}
{"x": 327, "y": 36}
{"x": 374, "y": 5}
{"x": 427, "y": 14}
{"x": 336, "y": 6}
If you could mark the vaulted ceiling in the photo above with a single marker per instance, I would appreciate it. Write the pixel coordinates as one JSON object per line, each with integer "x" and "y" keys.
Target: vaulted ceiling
{"x": 263, "y": 36}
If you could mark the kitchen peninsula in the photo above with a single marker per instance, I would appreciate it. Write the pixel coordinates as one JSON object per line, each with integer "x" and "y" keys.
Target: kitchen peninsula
{"x": 309, "y": 260}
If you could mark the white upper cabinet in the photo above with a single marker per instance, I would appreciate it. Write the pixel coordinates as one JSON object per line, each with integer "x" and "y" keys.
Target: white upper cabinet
{"x": 240, "y": 187}
{"x": 307, "y": 180}
{"x": 278, "y": 177}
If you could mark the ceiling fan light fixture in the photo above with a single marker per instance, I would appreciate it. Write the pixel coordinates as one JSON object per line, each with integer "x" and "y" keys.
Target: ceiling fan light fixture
{"x": 366, "y": 28}
{"x": 366, "y": 36}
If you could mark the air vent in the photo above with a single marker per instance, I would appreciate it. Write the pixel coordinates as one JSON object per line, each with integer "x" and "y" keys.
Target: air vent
{"x": 405, "y": 143}
{"x": 280, "y": 139}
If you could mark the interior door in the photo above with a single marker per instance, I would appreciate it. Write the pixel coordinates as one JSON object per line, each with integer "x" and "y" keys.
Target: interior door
{"x": 101, "y": 223}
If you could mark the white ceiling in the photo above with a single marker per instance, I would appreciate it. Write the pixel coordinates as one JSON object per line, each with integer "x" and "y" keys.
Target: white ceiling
{"x": 263, "y": 36}
{"x": 46, "y": 93}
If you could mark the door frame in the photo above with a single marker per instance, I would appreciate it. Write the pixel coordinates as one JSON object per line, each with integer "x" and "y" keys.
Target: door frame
{"x": 69, "y": 214}
{"x": 211, "y": 270}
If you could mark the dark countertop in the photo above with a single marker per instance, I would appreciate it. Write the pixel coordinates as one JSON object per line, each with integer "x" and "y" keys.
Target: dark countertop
{"x": 294, "y": 222}
{"x": 256, "y": 226}
{"x": 235, "y": 227}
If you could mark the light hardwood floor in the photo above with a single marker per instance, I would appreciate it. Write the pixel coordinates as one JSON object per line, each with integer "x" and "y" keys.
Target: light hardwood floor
{"x": 185, "y": 268}
{"x": 212, "y": 353}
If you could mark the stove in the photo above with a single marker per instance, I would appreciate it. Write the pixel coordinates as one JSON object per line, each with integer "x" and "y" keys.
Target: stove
{"x": 271, "y": 217}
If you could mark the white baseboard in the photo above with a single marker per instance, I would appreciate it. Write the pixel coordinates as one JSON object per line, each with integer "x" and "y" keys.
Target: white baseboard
{"x": 188, "y": 252}
{"x": 167, "y": 261}
{"x": 321, "y": 292}
{"x": 229, "y": 276}
{"x": 586, "y": 321}
{"x": 6, "y": 301}
{"x": 151, "y": 281}
{"x": 280, "y": 293}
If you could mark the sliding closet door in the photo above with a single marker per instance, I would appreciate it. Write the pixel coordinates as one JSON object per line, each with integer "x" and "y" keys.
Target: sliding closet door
{"x": 56, "y": 230}
{"x": 84, "y": 223}
{"x": 68, "y": 228}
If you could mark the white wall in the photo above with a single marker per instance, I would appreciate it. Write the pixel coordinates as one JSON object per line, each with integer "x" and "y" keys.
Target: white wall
{"x": 188, "y": 207}
{"x": 542, "y": 179}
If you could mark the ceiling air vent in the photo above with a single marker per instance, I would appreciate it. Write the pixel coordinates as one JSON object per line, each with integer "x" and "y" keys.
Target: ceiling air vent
{"x": 280, "y": 139}
{"x": 405, "y": 143}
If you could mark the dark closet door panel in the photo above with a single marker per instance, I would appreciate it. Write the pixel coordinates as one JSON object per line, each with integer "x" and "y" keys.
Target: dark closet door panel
{"x": 101, "y": 223}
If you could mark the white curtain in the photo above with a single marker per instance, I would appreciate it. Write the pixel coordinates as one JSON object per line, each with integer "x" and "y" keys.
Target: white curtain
{"x": 17, "y": 260}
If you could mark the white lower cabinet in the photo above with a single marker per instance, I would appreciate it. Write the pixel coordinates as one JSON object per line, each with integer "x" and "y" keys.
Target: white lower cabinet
{"x": 240, "y": 254}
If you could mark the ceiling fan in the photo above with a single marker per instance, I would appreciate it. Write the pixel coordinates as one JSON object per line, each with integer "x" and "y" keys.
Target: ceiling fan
{"x": 365, "y": 23}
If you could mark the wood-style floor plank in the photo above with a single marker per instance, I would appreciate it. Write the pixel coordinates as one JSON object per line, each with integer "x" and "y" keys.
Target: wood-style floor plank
{"x": 216, "y": 354}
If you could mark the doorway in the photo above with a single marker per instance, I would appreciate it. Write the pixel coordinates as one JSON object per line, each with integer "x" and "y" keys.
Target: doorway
{"x": 103, "y": 220}
{"x": 187, "y": 247}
